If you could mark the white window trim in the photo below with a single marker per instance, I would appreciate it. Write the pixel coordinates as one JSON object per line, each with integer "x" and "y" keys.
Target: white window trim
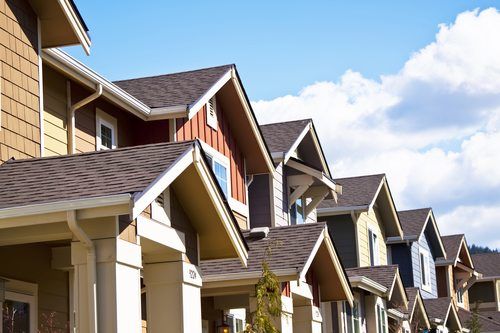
{"x": 26, "y": 292}
{"x": 380, "y": 303}
{"x": 221, "y": 159}
{"x": 425, "y": 286}
{"x": 102, "y": 117}
{"x": 376, "y": 259}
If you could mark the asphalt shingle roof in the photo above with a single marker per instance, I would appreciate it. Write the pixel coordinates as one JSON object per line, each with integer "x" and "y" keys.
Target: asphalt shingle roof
{"x": 487, "y": 324}
{"x": 451, "y": 245}
{"x": 411, "y": 293}
{"x": 176, "y": 89}
{"x": 383, "y": 275}
{"x": 487, "y": 263}
{"x": 280, "y": 137}
{"x": 356, "y": 191}
{"x": 291, "y": 246}
{"x": 437, "y": 308}
{"x": 87, "y": 175}
{"x": 493, "y": 315}
{"x": 413, "y": 220}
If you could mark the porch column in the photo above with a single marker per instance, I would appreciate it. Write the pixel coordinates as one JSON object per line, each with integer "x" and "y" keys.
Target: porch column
{"x": 284, "y": 324}
{"x": 307, "y": 319}
{"x": 173, "y": 297}
{"x": 118, "y": 286}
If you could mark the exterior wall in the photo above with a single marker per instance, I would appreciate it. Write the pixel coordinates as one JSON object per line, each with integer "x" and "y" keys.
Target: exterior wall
{"x": 180, "y": 221}
{"x": 416, "y": 246}
{"x": 54, "y": 115}
{"x": 442, "y": 281}
{"x": 373, "y": 221}
{"x": 20, "y": 118}
{"x": 221, "y": 140}
{"x": 32, "y": 263}
{"x": 280, "y": 197}
{"x": 342, "y": 231}
{"x": 483, "y": 292}
{"x": 401, "y": 254}
{"x": 259, "y": 202}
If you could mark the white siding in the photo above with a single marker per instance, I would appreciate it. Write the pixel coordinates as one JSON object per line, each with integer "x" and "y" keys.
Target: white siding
{"x": 280, "y": 197}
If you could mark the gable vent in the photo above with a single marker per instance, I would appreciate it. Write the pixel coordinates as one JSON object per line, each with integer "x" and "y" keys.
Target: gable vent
{"x": 212, "y": 113}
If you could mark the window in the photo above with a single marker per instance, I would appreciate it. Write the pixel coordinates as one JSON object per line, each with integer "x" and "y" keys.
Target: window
{"x": 460, "y": 294}
{"x": 352, "y": 317}
{"x": 212, "y": 113}
{"x": 297, "y": 212}
{"x": 425, "y": 272}
{"x": 106, "y": 128}
{"x": 373, "y": 244}
{"x": 19, "y": 308}
{"x": 221, "y": 171}
{"x": 381, "y": 319}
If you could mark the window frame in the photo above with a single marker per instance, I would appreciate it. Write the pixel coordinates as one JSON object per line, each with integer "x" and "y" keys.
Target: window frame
{"x": 381, "y": 315}
{"x": 293, "y": 217}
{"x": 375, "y": 255}
{"x": 459, "y": 295}
{"x": 103, "y": 118}
{"x": 20, "y": 291}
{"x": 425, "y": 269}
{"x": 221, "y": 159}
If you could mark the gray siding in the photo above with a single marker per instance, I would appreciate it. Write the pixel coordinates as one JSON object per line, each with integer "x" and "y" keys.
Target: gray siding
{"x": 343, "y": 234}
{"x": 423, "y": 243}
{"x": 259, "y": 202}
{"x": 280, "y": 197}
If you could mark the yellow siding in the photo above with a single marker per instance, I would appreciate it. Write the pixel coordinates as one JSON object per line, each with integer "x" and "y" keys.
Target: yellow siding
{"x": 370, "y": 220}
{"x": 20, "y": 122}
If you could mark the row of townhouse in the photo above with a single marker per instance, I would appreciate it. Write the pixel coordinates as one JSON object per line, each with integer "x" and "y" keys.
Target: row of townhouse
{"x": 150, "y": 204}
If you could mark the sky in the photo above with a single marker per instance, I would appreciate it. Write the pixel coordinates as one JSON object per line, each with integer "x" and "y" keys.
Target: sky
{"x": 406, "y": 88}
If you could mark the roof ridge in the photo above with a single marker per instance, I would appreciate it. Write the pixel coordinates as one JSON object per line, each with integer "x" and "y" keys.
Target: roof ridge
{"x": 298, "y": 225}
{"x": 104, "y": 151}
{"x": 453, "y": 235}
{"x": 287, "y": 121}
{"x": 414, "y": 209}
{"x": 362, "y": 176}
{"x": 174, "y": 73}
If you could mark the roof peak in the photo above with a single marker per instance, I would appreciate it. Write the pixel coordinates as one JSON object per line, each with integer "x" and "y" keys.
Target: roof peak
{"x": 175, "y": 73}
{"x": 362, "y": 176}
{"x": 288, "y": 121}
{"x": 414, "y": 210}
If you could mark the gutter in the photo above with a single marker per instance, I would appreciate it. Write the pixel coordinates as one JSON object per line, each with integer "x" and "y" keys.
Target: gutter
{"x": 341, "y": 210}
{"x": 246, "y": 275}
{"x": 91, "y": 268}
{"x": 71, "y": 112}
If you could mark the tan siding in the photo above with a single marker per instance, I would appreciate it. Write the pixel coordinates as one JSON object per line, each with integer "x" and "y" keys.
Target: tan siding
{"x": 54, "y": 116}
{"x": 20, "y": 122}
{"x": 373, "y": 221}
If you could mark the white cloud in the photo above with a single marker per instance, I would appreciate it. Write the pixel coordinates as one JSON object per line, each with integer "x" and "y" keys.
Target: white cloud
{"x": 433, "y": 127}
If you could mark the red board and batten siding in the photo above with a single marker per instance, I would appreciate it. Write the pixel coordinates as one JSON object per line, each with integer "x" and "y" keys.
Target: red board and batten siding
{"x": 221, "y": 140}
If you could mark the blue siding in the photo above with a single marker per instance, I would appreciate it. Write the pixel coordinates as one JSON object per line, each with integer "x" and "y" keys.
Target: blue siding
{"x": 401, "y": 256}
{"x": 415, "y": 250}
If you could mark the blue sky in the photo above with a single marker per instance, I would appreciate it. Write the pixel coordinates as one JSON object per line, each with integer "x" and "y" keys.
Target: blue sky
{"x": 278, "y": 46}
{"x": 406, "y": 88}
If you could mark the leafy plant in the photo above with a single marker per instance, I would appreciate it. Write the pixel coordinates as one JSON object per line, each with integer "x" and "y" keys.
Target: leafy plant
{"x": 268, "y": 298}
{"x": 473, "y": 324}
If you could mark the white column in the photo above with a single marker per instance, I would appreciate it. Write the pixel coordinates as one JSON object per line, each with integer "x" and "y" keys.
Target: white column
{"x": 284, "y": 324}
{"x": 173, "y": 297}
{"x": 118, "y": 286}
{"x": 307, "y": 319}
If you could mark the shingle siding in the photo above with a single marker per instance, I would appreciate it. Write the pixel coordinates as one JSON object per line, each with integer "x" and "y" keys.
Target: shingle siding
{"x": 342, "y": 232}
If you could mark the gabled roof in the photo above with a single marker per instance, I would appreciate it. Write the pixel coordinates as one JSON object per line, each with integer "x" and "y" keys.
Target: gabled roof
{"x": 176, "y": 89}
{"x": 487, "y": 325}
{"x": 284, "y": 138}
{"x": 386, "y": 276}
{"x": 294, "y": 249}
{"x": 488, "y": 264}
{"x": 456, "y": 250}
{"x": 133, "y": 177}
{"x": 441, "y": 311}
{"x": 417, "y": 221}
{"x": 415, "y": 302}
{"x": 360, "y": 194}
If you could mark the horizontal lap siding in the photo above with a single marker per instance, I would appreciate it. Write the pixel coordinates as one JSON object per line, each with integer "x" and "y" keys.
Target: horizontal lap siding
{"x": 373, "y": 221}
{"x": 221, "y": 140}
{"x": 280, "y": 197}
{"x": 20, "y": 118}
{"x": 342, "y": 232}
{"x": 417, "y": 271}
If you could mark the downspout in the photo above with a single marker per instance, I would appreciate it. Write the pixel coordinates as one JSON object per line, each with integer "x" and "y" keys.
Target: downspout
{"x": 71, "y": 112}
{"x": 91, "y": 268}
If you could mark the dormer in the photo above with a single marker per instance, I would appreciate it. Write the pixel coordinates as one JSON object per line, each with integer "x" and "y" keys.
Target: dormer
{"x": 362, "y": 220}
{"x": 301, "y": 177}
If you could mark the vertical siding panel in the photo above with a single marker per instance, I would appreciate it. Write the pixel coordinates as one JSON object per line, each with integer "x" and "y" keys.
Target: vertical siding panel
{"x": 195, "y": 126}
{"x": 201, "y": 125}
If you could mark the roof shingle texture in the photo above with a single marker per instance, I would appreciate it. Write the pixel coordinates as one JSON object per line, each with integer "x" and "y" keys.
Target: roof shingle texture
{"x": 487, "y": 324}
{"x": 176, "y": 89}
{"x": 451, "y": 245}
{"x": 95, "y": 174}
{"x": 437, "y": 308}
{"x": 280, "y": 137}
{"x": 356, "y": 191}
{"x": 290, "y": 246}
{"x": 383, "y": 275}
{"x": 487, "y": 263}
{"x": 413, "y": 221}
{"x": 411, "y": 293}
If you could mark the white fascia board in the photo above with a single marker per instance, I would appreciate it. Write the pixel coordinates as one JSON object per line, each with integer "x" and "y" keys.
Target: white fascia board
{"x": 320, "y": 151}
{"x": 61, "y": 206}
{"x": 90, "y": 78}
{"x": 395, "y": 314}
{"x": 341, "y": 210}
{"x": 278, "y": 156}
{"x": 201, "y": 101}
{"x": 171, "y": 112}
{"x": 312, "y": 172}
{"x": 246, "y": 275}
{"x": 224, "y": 213}
{"x": 398, "y": 240}
{"x": 160, "y": 233}
{"x": 310, "y": 259}
{"x": 368, "y": 285}
{"x": 434, "y": 225}
{"x": 299, "y": 139}
{"x": 143, "y": 199}
{"x": 76, "y": 25}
